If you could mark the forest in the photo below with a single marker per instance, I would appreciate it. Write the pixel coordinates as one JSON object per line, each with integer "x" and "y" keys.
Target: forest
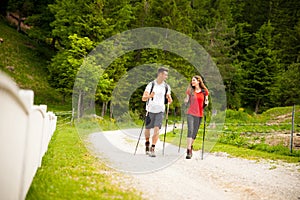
{"x": 254, "y": 43}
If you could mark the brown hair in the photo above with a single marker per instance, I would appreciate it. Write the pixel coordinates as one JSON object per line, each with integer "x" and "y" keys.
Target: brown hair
{"x": 201, "y": 84}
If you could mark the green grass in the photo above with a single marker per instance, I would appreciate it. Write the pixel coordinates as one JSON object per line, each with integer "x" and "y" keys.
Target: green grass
{"x": 25, "y": 61}
{"x": 245, "y": 135}
{"x": 258, "y": 132}
{"x": 232, "y": 150}
{"x": 252, "y": 154}
{"x": 69, "y": 171}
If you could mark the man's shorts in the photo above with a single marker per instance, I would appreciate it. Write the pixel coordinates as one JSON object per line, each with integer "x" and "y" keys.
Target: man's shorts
{"x": 155, "y": 120}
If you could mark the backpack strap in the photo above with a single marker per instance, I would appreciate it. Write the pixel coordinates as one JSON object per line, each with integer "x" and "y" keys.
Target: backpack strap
{"x": 167, "y": 88}
{"x": 152, "y": 86}
{"x": 204, "y": 97}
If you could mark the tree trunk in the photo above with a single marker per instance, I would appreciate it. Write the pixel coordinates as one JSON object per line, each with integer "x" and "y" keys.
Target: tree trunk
{"x": 79, "y": 105}
{"x": 104, "y": 108}
{"x": 53, "y": 43}
{"x": 111, "y": 110}
{"x": 257, "y": 106}
{"x": 19, "y": 24}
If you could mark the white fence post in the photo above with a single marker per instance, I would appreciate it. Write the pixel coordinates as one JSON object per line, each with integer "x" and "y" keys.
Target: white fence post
{"x": 14, "y": 117}
{"x": 25, "y": 132}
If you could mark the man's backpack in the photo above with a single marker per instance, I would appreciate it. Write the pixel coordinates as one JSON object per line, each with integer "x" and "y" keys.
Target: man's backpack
{"x": 166, "y": 86}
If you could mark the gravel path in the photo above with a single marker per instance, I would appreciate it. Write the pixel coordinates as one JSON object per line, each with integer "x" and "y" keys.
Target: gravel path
{"x": 217, "y": 176}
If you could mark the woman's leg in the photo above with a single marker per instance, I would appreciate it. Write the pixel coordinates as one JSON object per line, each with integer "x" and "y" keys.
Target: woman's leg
{"x": 190, "y": 122}
{"x": 196, "y": 124}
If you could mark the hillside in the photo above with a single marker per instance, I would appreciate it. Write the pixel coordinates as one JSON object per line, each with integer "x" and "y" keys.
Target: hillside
{"x": 25, "y": 61}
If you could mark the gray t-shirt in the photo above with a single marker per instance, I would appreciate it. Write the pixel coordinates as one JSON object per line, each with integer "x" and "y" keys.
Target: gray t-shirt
{"x": 157, "y": 104}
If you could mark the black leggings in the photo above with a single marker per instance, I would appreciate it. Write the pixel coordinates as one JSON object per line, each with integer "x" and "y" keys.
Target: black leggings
{"x": 193, "y": 126}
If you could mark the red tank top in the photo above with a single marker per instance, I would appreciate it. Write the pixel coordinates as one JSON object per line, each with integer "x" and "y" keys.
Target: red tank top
{"x": 196, "y": 103}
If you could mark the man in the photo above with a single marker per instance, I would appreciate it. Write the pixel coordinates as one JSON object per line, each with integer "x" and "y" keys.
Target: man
{"x": 155, "y": 94}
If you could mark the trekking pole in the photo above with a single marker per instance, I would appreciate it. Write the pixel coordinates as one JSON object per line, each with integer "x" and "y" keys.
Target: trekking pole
{"x": 180, "y": 135}
{"x": 174, "y": 125}
{"x": 203, "y": 137}
{"x": 181, "y": 131}
{"x": 140, "y": 133}
{"x": 166, "y": 125}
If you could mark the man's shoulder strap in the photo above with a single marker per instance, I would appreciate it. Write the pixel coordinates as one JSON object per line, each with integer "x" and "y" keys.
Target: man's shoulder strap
{"x": 167, "y": 87}
{"x": 152, "y": 86}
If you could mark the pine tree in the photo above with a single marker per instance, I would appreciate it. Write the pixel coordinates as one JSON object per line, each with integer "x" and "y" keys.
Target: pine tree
{"x": 260, "y": 69}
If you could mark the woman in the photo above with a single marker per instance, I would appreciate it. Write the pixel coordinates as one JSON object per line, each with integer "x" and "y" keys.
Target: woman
{"x": 196, "y": 95}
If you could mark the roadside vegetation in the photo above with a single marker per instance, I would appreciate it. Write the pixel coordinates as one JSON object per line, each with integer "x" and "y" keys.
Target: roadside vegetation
{"x": 256, "y": 136}
{"x": 70, "y": 171}
{"x": 68, "y": 163}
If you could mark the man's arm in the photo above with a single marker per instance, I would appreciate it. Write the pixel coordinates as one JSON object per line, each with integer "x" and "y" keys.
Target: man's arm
{"x": 147, "y": 96}
{"x": 169, "y": 97}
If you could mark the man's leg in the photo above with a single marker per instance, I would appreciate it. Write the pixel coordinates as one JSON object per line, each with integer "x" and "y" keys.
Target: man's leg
{"x": 154, "y": 140}
{"x": 157, "y": 125}
{"x": 155, "y": 135}
{"x": 147, "y": 134}
{"x": 147, "y": 143}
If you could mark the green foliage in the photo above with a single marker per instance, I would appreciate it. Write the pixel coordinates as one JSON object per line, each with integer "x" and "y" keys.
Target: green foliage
{"x": 65, "y": 65}
{"x": 237, "y": 116}
{"x": 233, "y": 139}
{"x": 255, "y": 45}
{"x": 83, "y": 18}
{"x": 261, "y": 68}
{"x": 39, "y": 21}
{"x": 290, "y": 83}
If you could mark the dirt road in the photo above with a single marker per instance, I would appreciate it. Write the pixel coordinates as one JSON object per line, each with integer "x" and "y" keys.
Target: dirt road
{"x": 217, "y": 176}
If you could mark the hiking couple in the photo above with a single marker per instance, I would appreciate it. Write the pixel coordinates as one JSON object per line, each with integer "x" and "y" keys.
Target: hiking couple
{"x": 157, "y": 93}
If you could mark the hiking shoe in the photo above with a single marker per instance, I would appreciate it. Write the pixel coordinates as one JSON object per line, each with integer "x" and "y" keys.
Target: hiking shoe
{"x": 189, "y": 154}
{"x": 152, "y": 152}
{"x": 147, "y": 144}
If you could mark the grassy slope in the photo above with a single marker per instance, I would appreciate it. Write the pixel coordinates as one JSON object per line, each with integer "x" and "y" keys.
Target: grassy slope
{"x": 25, "y": 61}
